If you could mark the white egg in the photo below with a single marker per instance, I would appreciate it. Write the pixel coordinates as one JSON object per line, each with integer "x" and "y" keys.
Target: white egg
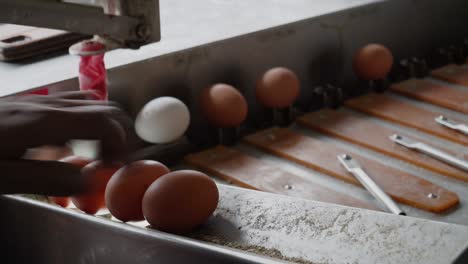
{"x": 162, "y": 120}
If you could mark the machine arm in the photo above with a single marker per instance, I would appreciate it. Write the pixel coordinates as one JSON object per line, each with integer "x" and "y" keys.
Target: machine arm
{"x": 129, "y": 23}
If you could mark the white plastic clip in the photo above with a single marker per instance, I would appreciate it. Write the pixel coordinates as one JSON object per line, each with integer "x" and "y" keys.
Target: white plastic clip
{"x": 431, "y": 151}
{"x": 452, "y": 124}
{"x": 353, "y": 167}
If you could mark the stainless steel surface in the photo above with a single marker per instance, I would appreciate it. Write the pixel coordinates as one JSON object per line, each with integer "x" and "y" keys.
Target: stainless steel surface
{"x": 296, "y": 228}
{"x": 138, "y": 25}
{"x": 196, "y": 43}
{"x": 431, "y": 151}
{"x": 188, "y": 33}
{"x": 325, "y": 233}
{"x": 319, "y": 49}
{"x": 452, "y": 124}
{"x": 43, "y": 233}
{"x": 353, "y": 167}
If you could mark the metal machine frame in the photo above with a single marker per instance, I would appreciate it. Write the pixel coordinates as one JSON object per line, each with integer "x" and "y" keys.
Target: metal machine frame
{"x": 130, "y": 24}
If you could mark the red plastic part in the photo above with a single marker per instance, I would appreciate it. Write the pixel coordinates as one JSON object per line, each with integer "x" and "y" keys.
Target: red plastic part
{"x": 92, "y": 73}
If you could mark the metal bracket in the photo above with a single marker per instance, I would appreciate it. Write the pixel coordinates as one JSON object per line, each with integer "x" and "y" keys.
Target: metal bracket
{"x": 452, "y": 124}
{"x": 431, "y": 151}
{"x": 131, "y": 24}
{"x": 353, "y": 167}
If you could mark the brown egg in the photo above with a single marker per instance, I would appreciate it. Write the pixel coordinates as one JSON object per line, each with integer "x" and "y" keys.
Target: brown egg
{"x": 180, "y": 201}
{"x": 223, "y": 105}
{"x": 78, "y": 161}
{"x": 277, "y": 88}
{"x": 373, "y": 62}
{"x": 98, "y": 175}
{"x": 59, "y": 200}
{"x": 125, "y": 190}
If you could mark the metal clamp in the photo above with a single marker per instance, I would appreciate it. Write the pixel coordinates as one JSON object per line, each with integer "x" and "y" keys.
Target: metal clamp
{"x": 452, "y": 124}
{"x": 355, "y": 169}
{"x": 431, "y": 151}
{"x": 130, "y": 23}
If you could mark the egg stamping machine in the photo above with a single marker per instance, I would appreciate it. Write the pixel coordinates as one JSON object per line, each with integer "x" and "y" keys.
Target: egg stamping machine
{"x": 207, "y": 42}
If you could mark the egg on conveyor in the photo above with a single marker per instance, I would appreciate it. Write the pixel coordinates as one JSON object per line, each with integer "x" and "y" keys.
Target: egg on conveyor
{"x": 162, "y": 120}
{"x": 373, "y": 62}
{"x": 278, "y": 88}
{"x": 223, "y": 105}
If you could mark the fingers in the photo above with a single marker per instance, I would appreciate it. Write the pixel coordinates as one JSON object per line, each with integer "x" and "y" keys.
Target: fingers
{"x": 62, "y": 99}
{"x": 76, "y": 95}
{"x": 59, "y": 102}
{"x": 44, "y": 120}
{"x": 107, "y": 124}
{"x": 42, "y": 177}
{"x": 48, "y": 153}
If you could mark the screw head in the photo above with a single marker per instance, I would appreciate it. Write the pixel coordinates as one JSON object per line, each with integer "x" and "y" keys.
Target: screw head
{"x": 288, "y": 187}
{"x": 142, "y": 31}
{"x": 432, "y": 196}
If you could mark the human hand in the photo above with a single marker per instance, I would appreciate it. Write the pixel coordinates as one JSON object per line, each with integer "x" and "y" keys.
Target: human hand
{"x": 31, "y": 121}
